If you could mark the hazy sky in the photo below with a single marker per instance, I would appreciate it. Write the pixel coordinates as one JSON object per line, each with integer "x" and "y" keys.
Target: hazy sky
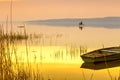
{"x": 47, "y": 9}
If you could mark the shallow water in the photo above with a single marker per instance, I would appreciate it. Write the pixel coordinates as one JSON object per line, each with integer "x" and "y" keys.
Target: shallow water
{"x": 56, "y": 54}
{"x": 91, "y": 37}
{"x": 55, "y": 64}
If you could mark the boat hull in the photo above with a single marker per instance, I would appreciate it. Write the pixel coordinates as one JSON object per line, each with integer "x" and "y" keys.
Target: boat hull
{"x": 101, "y": 58}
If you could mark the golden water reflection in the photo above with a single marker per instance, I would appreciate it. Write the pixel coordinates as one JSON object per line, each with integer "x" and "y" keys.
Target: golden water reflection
{"x": 45, "y": 59}
{"x": 62, "y": 63}
{"x": 48, "y": 54}
{"x": 61, "y": 71}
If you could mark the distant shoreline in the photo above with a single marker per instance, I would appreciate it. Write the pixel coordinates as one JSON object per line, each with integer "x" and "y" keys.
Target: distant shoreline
{"x": 106, "y": 22}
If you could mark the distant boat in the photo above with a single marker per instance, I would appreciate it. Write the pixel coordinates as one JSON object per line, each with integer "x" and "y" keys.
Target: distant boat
{"x": 81, "y": 25}
{"x": 102, "y": 55}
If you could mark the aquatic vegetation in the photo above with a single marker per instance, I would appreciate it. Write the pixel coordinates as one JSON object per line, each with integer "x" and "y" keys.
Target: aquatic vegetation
{"x": 12, "y": 35}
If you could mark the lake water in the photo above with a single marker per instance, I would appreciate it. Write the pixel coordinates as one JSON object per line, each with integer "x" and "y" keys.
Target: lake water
{"x": 55, "y": 55}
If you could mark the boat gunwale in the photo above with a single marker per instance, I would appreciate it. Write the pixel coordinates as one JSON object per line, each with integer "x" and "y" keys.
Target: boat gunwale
{"x": 100, "y": 50}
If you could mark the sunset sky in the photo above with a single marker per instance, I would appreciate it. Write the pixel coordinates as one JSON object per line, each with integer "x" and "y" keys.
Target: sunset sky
{"x": 46, "y": 9}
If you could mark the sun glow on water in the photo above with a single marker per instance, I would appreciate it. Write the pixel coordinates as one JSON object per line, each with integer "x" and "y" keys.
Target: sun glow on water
{"x": 48, "y": 54}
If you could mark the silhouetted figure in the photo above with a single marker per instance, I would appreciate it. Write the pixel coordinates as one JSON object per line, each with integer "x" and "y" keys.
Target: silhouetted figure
{"x": 81, "y": 25}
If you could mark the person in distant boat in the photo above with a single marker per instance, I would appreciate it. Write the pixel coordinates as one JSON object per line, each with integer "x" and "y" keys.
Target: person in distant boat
{"x": 81, "y": 25}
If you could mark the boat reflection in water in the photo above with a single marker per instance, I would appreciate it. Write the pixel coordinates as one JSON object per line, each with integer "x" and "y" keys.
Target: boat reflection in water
{"x": 101, "y": 65}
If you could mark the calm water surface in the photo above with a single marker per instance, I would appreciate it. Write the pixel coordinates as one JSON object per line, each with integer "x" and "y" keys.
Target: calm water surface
{"x": 56, "y": 53}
